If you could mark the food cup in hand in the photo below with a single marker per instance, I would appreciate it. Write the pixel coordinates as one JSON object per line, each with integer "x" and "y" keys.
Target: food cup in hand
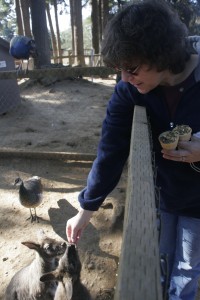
{"x": 184, "y": 132}
{"x": 169, "y": 140}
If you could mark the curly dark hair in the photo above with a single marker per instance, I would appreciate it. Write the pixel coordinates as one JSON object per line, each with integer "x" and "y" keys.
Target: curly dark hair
{"x": 146, "y": 32}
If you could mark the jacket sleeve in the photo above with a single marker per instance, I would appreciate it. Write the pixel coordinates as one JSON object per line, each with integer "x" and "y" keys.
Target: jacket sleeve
{"x": 113, "y": 149}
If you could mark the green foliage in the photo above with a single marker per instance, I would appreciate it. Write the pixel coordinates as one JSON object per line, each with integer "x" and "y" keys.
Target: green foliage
{"x": 189, "y": 12}
{"x": 116, "y": 4}
{"x": 66, "y": 36}
{"x": 7, "y": 19}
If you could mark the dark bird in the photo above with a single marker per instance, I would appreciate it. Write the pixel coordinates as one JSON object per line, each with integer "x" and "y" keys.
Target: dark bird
{"x": 22, "y": 47}
{"x": 30, "y": 194}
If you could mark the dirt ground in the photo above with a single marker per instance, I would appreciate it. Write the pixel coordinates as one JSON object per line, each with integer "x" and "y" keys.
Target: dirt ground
{"x": 63, "y": 117}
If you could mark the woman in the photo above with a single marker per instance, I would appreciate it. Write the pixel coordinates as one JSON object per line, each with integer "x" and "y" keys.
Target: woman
{"x": 160, "y": 70}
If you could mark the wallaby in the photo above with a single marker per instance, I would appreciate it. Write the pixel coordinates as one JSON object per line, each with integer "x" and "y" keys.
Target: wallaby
{"x": 26, "y": 284}
{"x": 68, "y": 276}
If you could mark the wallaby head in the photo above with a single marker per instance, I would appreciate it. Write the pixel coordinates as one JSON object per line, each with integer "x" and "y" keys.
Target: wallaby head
{"x": 18, "y": 181}
{"x": 46, "y": 247}
{"x": 67, "y": 272}
{"x": 26, "y": 284}
{"x": 70, "y": 263}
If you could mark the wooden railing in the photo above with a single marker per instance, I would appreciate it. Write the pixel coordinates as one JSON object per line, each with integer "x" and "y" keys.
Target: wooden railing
{"x": 59, "y": 72}
{"x": 139, "y": 266}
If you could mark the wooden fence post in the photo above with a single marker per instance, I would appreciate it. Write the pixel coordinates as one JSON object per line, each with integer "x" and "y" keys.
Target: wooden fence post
{"x": 139, "y": 266}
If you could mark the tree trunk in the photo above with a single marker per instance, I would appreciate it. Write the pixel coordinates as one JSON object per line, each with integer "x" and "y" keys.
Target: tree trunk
{"x": 78, "y": 32}
{"x": 103, "y": 16}
{"x": 24, "y": 7}
{"x": 40, "y": 32}
{"x": 95, "y": 26}
{"x": 19, "y": 18}
{"x": 57, "y": 32}
{"x": 71, "y": 60}
{"x": 100, "y": 21}
{"x": 105, "y": 12}
{"x": 53, "y": 37}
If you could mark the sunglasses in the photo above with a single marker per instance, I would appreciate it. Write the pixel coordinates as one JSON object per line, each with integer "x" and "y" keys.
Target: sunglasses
{"x": 132, "y": 71}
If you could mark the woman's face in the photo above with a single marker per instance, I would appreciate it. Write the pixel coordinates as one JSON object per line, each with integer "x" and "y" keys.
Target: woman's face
{"x": 144, "y": 79}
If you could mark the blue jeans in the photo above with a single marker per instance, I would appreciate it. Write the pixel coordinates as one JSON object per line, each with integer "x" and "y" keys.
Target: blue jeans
{"x": 180, "y": 240}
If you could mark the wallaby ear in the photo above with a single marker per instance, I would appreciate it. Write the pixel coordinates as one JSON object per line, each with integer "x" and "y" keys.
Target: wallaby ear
{"x": 48, "y": 277}
{"x": 31, "y": 245}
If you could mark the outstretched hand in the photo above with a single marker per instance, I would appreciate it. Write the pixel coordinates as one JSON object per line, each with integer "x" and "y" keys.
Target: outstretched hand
{"x": 77, "y": 224}
{"x": 187, "y": 152}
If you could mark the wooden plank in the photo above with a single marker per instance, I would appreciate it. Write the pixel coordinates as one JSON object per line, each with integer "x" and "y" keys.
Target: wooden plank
{"x": 139, "y": 267}
{"x": 47, "y": 155}
{"x": 58, "y": 72}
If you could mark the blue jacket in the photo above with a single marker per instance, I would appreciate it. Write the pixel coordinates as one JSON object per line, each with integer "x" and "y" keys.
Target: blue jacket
{"x": 180, "y": 184}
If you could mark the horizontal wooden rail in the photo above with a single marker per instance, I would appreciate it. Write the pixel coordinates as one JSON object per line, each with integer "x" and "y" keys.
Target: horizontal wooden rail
{"x": 139, "y": 266}
{"x": 58, "y": 72}
{"x": 46, "y": 155}
{"x": 74, "y": 56}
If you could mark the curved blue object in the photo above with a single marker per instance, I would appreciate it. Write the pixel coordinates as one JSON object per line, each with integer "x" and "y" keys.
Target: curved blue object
{"x": 22, "y": 47}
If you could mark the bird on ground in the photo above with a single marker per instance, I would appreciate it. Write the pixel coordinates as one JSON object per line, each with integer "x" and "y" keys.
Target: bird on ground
{"x": 30, "y": 194}
{"x": 22, "y": 48}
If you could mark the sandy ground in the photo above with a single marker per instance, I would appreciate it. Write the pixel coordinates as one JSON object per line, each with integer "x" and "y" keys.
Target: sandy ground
{"x": 64, "y": 117}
